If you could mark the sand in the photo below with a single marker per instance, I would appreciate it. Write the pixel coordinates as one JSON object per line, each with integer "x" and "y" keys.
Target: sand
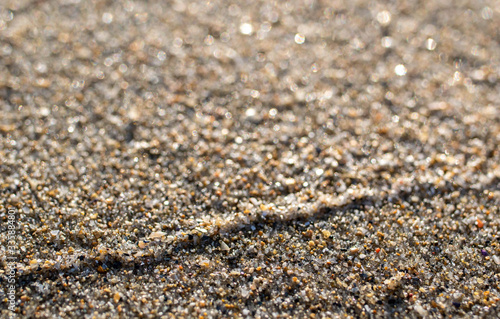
{"x": 255, "y": 159}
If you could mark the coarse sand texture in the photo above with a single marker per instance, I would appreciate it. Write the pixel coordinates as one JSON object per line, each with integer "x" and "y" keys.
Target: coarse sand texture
{"x": 249, "y": 159}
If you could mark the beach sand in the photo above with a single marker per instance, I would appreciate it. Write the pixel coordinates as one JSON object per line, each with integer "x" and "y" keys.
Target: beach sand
{"x": 257, "y": 159}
